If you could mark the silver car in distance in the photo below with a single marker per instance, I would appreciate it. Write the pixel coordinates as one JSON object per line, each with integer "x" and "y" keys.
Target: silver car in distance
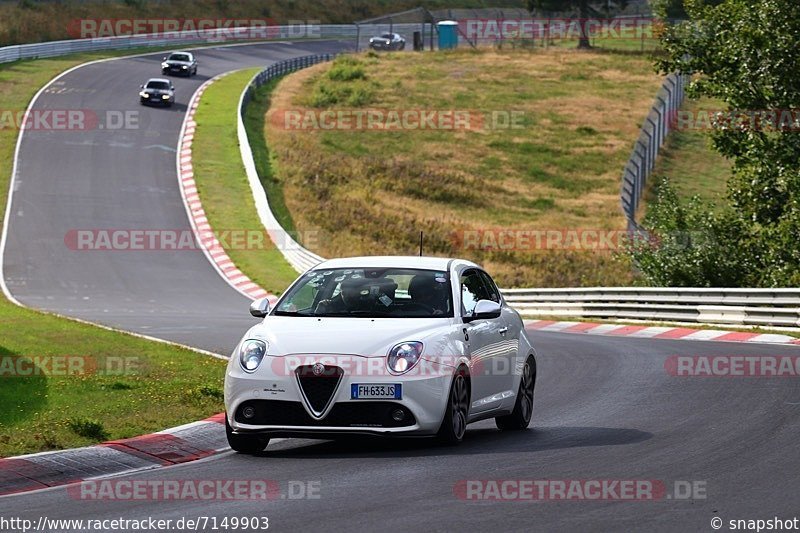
{"x": 391, "y": 346}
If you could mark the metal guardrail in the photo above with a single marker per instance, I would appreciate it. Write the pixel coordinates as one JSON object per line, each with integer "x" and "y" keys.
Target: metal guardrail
{"x": 655, "y": 129}
{"x": 206, "y": 37}
{"x": 174, "y": 39}
{"x": 755, "y": 307}
{"x": 299, "y": 257}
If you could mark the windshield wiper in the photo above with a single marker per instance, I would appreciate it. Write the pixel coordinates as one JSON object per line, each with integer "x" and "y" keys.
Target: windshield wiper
{"x": 290, "y": 313}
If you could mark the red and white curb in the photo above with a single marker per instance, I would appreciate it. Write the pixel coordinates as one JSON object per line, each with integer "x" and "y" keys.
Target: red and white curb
{"x": 197, "y": 216}
{"x": 169, "y": 447}
{"x": 657, "y": 332}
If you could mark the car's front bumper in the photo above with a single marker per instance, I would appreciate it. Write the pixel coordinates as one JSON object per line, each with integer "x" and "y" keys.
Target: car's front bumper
{"x": 176, "y": 69}
{"x": 282, "y": 409}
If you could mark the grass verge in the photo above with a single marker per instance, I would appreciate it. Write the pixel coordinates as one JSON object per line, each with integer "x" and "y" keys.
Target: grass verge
{"x": 689, "y": 161}
{"x": 370, "y": 191}
{"x": 223, "y": 186}
{"x": 157, "y": 386}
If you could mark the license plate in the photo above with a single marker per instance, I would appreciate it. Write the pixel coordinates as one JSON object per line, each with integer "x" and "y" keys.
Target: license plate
{"x": 376, "y": 391}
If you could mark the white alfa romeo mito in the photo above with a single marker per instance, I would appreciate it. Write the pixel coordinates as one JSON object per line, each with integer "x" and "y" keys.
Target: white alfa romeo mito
{"x": 404, "y": 346}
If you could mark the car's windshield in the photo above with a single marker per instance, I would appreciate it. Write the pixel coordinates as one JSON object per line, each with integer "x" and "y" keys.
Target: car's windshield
{"x": 387, "y": 35}
{"x": 160, "y": 85}
{"x": 370, "y": 293}
{"x": 179, "y": 57}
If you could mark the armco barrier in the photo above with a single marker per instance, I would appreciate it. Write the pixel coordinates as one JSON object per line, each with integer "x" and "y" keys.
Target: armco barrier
{"x": 299, "y": 257}
{"x": 181, "y": 39}
{"x": 754, "y": 307}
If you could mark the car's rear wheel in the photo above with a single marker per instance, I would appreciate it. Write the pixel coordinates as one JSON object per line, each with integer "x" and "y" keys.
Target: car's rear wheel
{"x": 520, "y": 417}
{"x": 454, "y": 424}
{"x": 245, "y": 443}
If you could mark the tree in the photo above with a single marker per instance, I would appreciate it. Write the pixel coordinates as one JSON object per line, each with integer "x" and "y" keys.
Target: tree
{"x": 585, "y": 8}
{"x": 746, "y": 54}
{"x": 674, "y": 9}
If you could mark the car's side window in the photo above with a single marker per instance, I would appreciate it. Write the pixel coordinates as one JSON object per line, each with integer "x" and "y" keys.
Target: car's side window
{"x": 491, "y": 287}
{"x": 472, "y": 290}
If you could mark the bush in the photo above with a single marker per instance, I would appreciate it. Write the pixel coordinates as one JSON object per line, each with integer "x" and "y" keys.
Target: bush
{"x": 88, "y": 428}
{"x": 688, "y": 244}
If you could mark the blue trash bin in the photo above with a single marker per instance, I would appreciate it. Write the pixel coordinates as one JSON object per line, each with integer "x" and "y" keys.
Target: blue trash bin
{"x": 448, "y": 34}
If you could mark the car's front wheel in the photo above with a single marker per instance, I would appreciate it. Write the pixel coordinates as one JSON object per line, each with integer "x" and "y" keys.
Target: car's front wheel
{"x": 520, "y": 417}
{"x": 245, "y": 443}
{"x": 454, "y": 424}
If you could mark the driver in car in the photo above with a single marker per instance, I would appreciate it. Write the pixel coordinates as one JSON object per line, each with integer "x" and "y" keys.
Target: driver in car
{"x": 425, "y": 290}
{"x": 359, "y": 295}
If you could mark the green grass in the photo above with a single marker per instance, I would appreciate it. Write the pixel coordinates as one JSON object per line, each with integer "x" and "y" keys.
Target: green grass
{"x": 690, "y": 162}
{"x": 372, "y": 191}
{"x": 170, "y": 385}
{"x": 160, "y": 386}
{"x": 223, "y": 186}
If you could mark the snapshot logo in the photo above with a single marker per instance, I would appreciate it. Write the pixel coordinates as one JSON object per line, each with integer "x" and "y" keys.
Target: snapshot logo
{"x": 194, "y": 489}
{"x": 493, "y": 30}
{"x": 217, "y": 29}
{"x": 177, "y": 240}
{"x": 68, "y": 120}
{"x": 764, "y": 120}
{"x": 396, "y": 120}
{"x": 519, "y": 490}
{"x": 733, "y": 366}
{"x": 17, "y": 366}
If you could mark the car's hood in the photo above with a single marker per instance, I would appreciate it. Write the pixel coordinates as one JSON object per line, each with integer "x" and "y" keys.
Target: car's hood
{"x": 353, "y": 336}
{"x": 381, "y": 39}
{"x": 173, "y": 62}
{"x": 156, "y": 91}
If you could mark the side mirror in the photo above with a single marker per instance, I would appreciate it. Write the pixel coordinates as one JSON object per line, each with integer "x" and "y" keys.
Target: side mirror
{"x": 484, "y": 309}
{"x": 164, "y": 58}
{"x": 260, "y": 308}
{"x": 141, "y": 86}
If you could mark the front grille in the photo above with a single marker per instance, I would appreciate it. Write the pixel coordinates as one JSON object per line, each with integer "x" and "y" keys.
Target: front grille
{"x": 359, "y": 413}
{"x": 319, "y": 389}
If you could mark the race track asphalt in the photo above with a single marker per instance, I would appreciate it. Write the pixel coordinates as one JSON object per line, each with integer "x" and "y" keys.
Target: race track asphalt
{"x": 606, "y": 408}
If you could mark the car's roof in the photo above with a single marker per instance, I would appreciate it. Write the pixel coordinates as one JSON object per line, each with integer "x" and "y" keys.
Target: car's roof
{"x": 180, "y": 52}
{"x": 158, "y": 79}
{"x": 426, "y": 263}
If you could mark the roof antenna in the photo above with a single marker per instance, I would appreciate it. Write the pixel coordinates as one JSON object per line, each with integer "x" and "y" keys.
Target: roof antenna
{"x": 420, "y": 244}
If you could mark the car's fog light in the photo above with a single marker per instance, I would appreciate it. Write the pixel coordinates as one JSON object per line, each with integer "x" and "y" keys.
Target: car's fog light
{"x": 398, "y": 415}
{"x": 249, "y": 411}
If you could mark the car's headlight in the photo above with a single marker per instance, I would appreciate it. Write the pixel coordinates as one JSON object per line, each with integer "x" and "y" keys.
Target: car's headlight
{"x": 184, "y": 66}
{"x": 164, "y": 65}
{"x": 251, "y": 353}
{"x": 144, "y": 94}
{"x": 165, "y": 97}
{"x": 404, "y": 356}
